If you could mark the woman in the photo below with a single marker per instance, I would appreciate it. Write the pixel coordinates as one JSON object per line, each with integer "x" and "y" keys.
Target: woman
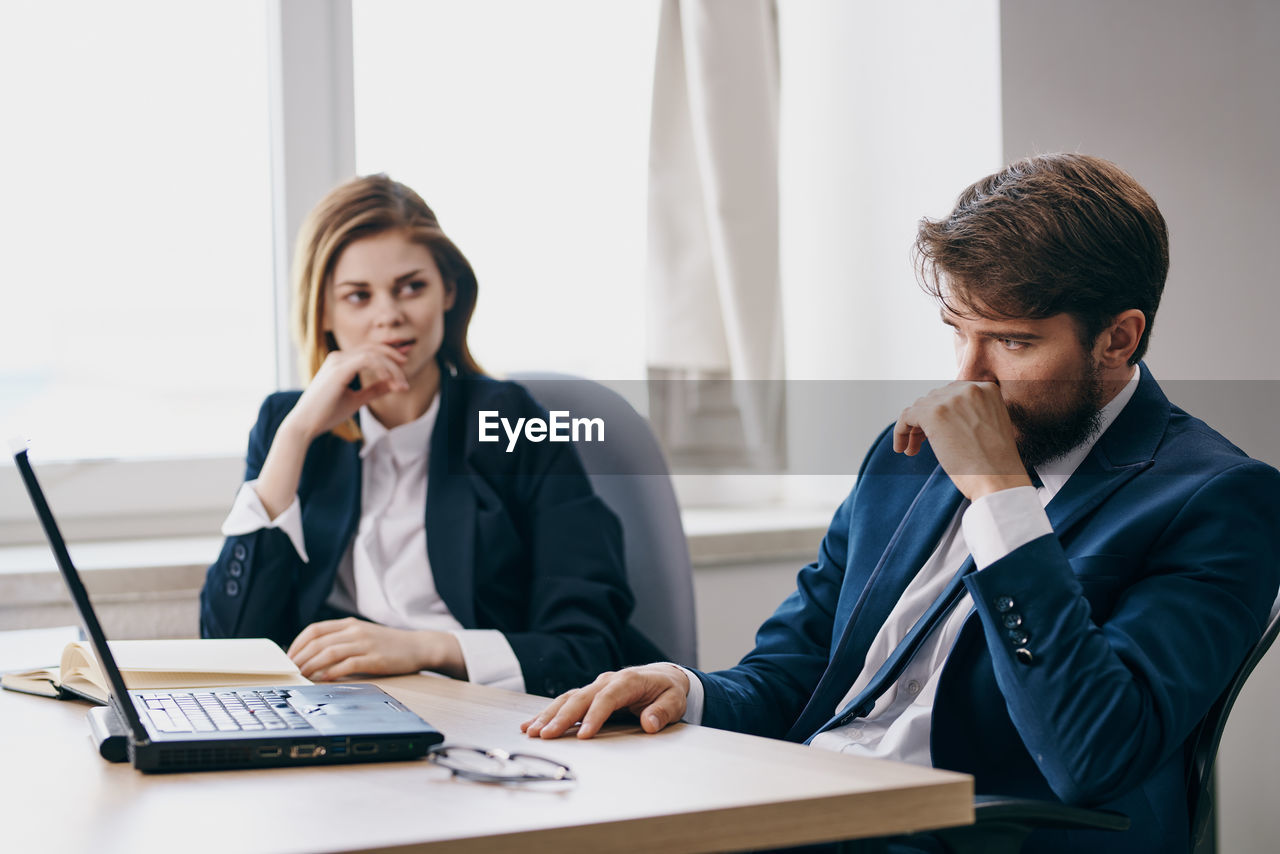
{"x": 374, "y": 534}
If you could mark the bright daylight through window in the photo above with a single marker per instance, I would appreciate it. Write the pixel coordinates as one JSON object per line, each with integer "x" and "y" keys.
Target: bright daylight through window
{"x": 138, "y": 317}
{"x": 525, "y": 127}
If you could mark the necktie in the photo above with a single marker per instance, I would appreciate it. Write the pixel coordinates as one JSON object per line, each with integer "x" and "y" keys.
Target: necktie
{"x": 891, "y": 670}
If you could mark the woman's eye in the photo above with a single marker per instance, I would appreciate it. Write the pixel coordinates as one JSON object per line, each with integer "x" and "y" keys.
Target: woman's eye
{"x": 413, "y": 287}
{"x": 356, "y": 297}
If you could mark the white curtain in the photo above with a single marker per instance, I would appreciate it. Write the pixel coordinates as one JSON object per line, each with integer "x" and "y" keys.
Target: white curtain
{"x": 713, "y": 290}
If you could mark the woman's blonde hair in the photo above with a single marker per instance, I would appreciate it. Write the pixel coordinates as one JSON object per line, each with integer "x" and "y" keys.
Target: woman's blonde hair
{"x": 366, "y": 207}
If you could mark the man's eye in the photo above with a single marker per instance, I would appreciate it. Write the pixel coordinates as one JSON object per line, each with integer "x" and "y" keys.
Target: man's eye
{"x": 1011, "y": 344}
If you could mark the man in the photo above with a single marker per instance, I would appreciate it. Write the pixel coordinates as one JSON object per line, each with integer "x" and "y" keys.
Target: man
{"x": 1057, "y": 637}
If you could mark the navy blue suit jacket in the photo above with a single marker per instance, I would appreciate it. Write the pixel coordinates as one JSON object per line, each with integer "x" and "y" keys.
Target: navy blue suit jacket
{"x": 1156, "y": 582}
{"x": 517, "y": 542}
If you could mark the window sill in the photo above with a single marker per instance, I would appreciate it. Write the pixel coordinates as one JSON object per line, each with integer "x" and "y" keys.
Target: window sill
{"x": 174, "y": 566}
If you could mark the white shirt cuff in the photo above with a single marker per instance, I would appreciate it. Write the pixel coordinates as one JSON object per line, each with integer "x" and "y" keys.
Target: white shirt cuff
{"x": 489, "y": 659}
{"x": 248, "y": 515}
{"x": 697, "y": 697}
{"x": 998, "y": 523}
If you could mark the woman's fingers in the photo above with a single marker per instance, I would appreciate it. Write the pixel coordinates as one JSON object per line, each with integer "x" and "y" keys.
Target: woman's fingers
{"x": 330, "y": 658}
{"x": 316, "y": 637}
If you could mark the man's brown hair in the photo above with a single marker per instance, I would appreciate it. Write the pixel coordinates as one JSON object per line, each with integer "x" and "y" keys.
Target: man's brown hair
{"x": 1050, "y": 234}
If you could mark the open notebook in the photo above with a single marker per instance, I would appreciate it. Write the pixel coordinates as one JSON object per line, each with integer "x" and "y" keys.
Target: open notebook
{"x": 151, "y": 664}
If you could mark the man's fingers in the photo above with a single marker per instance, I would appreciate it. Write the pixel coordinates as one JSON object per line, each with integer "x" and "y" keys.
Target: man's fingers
{"x": 535, "y": 724}
{"x": 658, "y": 692}
{"x": 608, "y": 701}
{"x": 553, "y": 723}
{"x": 668, "y": 708}
{"x": 908, "y": 435}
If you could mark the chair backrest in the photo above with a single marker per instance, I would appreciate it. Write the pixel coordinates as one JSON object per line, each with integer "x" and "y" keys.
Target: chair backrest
{"x": 630, "y": 474}
{"x": 1205, "y": 740}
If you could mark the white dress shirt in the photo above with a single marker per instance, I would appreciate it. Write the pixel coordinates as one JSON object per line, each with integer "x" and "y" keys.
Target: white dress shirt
{"x": 385, "y": 575}
{"x": 990, "y": 528}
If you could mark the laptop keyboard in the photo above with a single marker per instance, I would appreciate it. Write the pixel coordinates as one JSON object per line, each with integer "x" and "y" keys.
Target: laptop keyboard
{"x": 221, "y": 711}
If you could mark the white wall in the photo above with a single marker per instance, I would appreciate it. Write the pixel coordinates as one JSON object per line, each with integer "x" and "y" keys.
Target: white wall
{"x": 1182, "y": 94}
{"x": 873, "y": 136}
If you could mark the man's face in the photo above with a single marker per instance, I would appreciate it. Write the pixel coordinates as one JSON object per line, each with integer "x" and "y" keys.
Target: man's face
{"x": 1051, "y": 384}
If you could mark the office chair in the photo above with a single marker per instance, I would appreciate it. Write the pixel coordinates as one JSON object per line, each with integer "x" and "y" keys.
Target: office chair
{"x": 630, "y": 474}
{"x": 1001, "y": 824}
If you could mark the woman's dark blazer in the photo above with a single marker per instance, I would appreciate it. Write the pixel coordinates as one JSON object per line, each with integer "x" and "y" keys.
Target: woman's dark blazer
{"x": 517, "y": 541}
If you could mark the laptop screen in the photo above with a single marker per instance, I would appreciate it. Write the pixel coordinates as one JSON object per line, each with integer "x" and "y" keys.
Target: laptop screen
{"x": 119, "y": 694}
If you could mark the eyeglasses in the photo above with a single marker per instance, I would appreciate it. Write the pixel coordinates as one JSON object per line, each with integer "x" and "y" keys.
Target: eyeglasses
{"x": 498, "y": 766}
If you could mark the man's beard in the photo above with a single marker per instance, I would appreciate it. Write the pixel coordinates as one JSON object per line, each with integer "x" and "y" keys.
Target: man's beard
{"x": 1068, "y": 420}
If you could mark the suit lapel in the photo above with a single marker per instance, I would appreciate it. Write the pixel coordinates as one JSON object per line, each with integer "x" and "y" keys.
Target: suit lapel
{"x": 450, "y": 511}
{"x": 1125, "y": 449}
{"x": 914, "y": 540}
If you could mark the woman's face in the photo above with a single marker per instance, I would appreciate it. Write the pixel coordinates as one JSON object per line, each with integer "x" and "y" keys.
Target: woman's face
{"x": 386, "y": 289}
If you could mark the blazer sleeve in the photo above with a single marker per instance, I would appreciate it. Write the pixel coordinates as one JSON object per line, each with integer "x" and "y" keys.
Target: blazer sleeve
{"x": 1100, "y": 704}
{"x": 250, "y": 590}
{"x": 577, "y": 600}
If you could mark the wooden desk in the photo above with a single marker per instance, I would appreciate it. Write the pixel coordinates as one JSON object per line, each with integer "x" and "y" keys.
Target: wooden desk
{"x": 686, "y": 789}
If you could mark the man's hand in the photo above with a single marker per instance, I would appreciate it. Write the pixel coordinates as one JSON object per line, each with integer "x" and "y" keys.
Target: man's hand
{"x": 656, "y": 693}
{"x": 967, "y": 425}
{"x": 332, "y": 649}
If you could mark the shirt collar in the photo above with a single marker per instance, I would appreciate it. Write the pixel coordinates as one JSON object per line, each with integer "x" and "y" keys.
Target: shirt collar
{"x": 1055, "y": 473}
{"x": 408, "y": 442}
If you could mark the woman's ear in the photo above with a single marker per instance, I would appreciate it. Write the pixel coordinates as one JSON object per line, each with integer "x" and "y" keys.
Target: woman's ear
{"x": 1117, "y": 343}
{"x": 450, "y": 295}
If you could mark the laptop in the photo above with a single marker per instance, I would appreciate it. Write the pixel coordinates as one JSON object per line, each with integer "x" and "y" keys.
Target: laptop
{"x": 207, "y": 729}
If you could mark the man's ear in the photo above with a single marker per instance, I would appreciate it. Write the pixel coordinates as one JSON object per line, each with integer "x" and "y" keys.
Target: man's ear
{"x": 1116, "y": 344}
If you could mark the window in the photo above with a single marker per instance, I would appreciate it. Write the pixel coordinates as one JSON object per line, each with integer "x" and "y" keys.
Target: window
{"x": 138, "y": 313}
{"x": 138, "y": 316}
{"x": 525, "y": 127}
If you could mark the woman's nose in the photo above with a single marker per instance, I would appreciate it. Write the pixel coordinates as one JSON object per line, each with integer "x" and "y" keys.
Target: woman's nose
{"x": 387, "y": 311}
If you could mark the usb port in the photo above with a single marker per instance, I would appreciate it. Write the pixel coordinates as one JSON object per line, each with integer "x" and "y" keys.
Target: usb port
{"x": 269, "y": 752}
{"x": 306, "y": 751}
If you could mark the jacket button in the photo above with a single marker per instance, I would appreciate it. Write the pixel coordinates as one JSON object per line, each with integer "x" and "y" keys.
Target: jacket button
{"x": 1023, "y": 655}
{"x": 1012, "y": 621}
{"x": 1004, "y": 604}
{"x": 1019, "y": 637}
{"x": 232, "y": 587}
{"x": 239, "y": 552}
{"x": 236, "y": 568}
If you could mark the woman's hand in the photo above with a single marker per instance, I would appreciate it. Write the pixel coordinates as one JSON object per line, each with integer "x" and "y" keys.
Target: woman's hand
{"x": 332, "y": 649}
{"x": 327, "y": 401}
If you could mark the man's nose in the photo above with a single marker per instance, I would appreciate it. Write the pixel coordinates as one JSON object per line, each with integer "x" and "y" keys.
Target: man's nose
{"x": 972, "y": 365}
